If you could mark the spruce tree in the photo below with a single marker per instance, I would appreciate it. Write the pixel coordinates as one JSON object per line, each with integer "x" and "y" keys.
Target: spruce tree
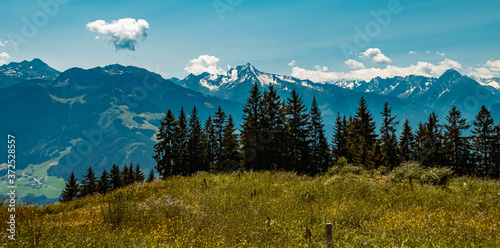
{"x": 151, "y": 176}
{"x": 89, "y": 183}
{"x": 456, "y": 146}
{"x": 210, "y": 143}
{"x": 164, "y": 149}
{"x": 251, "y": 129}
{"x": 138, "y": 174}
{"x": 116, "y": 177}
{"x": 339, "y": 140}
{"x": 364, "y": 129}
{"x": 483, "y": 141}
{"x": 104, "y": 184}
{"x": 406, "y": 143}
{"x": 229, "y": 153}
{"x": 320, "y": 152}
{"x": 271, "y": 138}
{"x": 376, "y": 157}
{"x": 180, "y": 145}
{"x": 297, "y": 127}
{"x": 195, "y": 145}
{"x": 494, "y": 170}
{"x": 219, "y": 124}
{"x": 128, "y": 174}
{"x": 389, "y": 142}
{"x": 70, "y": 191}
{"x": 430, "y": 140}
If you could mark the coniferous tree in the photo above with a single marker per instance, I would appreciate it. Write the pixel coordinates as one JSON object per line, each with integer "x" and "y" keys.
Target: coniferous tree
{"x": 104, "y": 184}
{"x": 272, "y": 136}
{"x": 352, "y": 141}
{"x": 219, "y": 124}
{"x": 251, "y": 129}
{"x": 483, "y": 141}
{"x": 406, "y": 143}
{"x": 128, "y": 174}
{"x": 494, "y": 170}
{"x": 116, "y": 177}
{"x": 430, "y": 138}
{"x": 320, "y": 154}
{"x": 89, "y": 183}
{"x": 376, "y": 157}
{"x": 388, "y": 139}
{"x": 151, "y": 176}
{"x": 298, "y": 132}
{"x": 229, "y": 153}
{"x": 138, "y": 174}
{"x": 210, "y": 143}
{"x": 364, "y": 132}
{"x": 195, "y": 146}
{"x": 456, "y": 146}
{"x": 339, "y": 141}
{"x": 419, "y": 149}
{"x": 70, "y": 191}
{"x": 180, "y": 145}
{"x": 164, "y": 149}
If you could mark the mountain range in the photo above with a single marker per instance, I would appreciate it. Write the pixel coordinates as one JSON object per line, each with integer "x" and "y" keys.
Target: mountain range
{"x": 67, "y": 121}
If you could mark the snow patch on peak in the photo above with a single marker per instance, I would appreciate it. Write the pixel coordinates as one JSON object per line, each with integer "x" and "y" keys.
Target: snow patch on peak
{"x": 205, "y": 84}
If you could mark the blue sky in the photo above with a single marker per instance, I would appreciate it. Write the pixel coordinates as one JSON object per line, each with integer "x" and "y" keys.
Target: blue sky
{"x": 269, "y": 34}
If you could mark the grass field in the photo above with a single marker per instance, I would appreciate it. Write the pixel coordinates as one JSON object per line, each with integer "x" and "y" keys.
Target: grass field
{"x": 271, "y": 209}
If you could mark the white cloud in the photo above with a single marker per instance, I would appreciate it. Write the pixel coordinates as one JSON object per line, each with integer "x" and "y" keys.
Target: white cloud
{"x": 376, "y": 55}
{"x": 440, "y": 54}
{"x": 123, "y": 33}
{"x": 4, "y": 42}
{"x": 412, "y": 52}
{"x": 494, "y": 65}
{"x": 3, "y": 57}
{"x": 353, "y": 64}
{"x": 320, "y": 68}
{"x": 420, "y": 68}
{"x": 480, "y": 73}
{"x": 292, "y": 63}
{"x": 204, "y": 63}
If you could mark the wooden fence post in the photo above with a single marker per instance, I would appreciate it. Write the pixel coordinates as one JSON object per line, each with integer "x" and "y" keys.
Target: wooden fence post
{"x": 329, "y": 239}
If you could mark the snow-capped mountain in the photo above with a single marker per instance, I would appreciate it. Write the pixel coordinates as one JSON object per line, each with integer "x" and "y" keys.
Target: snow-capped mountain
{"x": 440, "y": 94}
{"x": 492, "y": 82}
{"x": 236, "y": 83}
{"x": 14, "y": 72}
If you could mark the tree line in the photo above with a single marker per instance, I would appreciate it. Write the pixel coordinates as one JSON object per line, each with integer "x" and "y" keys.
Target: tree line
{"x": 278, "y": 134}
{"x": 115, "y": 179}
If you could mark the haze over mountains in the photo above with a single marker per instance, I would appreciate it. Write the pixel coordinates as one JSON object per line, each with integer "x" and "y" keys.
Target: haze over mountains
{"x": 109, "y": 115}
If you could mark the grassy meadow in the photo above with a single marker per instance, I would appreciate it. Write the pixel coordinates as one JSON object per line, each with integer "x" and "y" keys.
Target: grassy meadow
{"x": 271, "y": 209}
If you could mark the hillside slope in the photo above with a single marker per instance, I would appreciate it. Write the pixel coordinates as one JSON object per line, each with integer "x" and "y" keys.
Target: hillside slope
{"x": 271, "y": 209}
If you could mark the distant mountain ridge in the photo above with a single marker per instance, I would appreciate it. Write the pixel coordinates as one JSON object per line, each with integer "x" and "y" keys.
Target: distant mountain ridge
{"x": 440, "y": 94}
{"x": 96, "y": 117}
{"x": 14, "y": 72}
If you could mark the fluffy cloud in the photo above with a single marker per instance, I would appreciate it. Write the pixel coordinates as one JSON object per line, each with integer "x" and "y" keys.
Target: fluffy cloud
{"x": 123, "y": 33}
{"x": 3, "y": 57}
{"x": 440, "y": 54}
{"x": 292, "y": 63}
{"x": 204, "y": 63}
{"x": 376, "y": 55}
{"x": 480, "y": 73}
{"x": 420, "y": 68}
{"x": 494, "y": 65}
{"x": 353, "y": 64}
{"x": 412, "y": 52}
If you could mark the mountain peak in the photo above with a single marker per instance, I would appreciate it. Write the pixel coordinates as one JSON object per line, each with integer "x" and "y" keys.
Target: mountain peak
{"x": 450, "y": 75}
